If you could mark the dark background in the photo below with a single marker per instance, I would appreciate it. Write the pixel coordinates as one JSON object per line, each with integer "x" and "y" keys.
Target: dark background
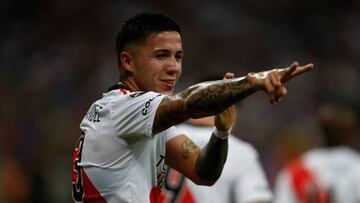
{"x": 57, "y": 57}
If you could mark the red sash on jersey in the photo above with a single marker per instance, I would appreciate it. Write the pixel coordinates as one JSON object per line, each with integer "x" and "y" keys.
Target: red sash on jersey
{"x": 92, "y": 195}
{"x": 184, "y": 194}
{"x": 305, "y": 185}
{"x": 82, "y": 186}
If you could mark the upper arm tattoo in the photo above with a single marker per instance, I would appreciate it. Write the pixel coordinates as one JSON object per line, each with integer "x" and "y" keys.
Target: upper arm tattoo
{"x": 187, "y": 147}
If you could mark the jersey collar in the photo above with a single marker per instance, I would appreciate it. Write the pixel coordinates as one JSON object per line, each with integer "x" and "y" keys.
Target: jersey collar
{"x": 118, "y": 86}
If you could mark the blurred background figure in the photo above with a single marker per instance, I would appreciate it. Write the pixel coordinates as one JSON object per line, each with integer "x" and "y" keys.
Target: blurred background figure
{"x": 242, "y": 180}
{"x": 287, "y": 143}
{"x": 329, "y": 173}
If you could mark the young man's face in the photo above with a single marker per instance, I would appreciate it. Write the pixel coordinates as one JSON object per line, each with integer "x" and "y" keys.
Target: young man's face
{"x": 157, "y": 64}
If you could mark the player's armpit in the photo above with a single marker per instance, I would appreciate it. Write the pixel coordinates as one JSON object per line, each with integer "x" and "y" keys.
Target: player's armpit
{"x": 181, "y": 155}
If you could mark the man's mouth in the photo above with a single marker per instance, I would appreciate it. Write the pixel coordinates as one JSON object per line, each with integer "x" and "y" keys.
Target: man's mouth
{"x": 169, "y": 83}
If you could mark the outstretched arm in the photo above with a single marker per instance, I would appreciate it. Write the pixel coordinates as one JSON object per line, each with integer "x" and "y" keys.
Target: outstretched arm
{"x": 205, "y": 166}
{"x": 210, "y": 98}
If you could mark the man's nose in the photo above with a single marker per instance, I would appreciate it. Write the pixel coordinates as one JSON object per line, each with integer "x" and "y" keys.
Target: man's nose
{"x": 173, "y": 65}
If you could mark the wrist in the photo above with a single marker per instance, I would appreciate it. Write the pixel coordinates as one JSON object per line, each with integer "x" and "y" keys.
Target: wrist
{"x": 252, "y": 84}
{"x": 221, "y": 134}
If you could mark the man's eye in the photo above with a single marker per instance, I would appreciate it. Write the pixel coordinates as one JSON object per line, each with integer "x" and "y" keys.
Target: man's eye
{"x": 178, "y": 57}
{"x": 161, "y": 55}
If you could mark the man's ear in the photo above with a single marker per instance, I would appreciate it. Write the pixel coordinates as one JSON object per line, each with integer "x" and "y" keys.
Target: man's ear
{"x": 127, "y": 61}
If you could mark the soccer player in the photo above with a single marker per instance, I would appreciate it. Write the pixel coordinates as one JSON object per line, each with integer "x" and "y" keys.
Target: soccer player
{"x": 128, "y": 134}
{"x": 326, "y": 174}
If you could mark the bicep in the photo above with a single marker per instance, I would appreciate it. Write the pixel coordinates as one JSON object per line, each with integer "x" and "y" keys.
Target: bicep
{"x": 171, "y": 111}
{"x": 181, "y": 155}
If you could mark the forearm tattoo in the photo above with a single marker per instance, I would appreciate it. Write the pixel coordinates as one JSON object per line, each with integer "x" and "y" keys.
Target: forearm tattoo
{"x": 201, "y": 100}
{"x": 187, "y": 147}
{"x": 214, "y": 97}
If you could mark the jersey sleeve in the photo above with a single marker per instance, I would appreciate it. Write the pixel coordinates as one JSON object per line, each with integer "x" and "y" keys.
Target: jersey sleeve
{"x": 252, "y": 185}
{"x": 133, "y": 115}
{"x": 172, "y": 132}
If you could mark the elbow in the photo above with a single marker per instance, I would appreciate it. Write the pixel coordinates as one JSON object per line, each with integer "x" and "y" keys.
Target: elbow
{"x": 207, "y": 179}
{"x": 204, "y": 182}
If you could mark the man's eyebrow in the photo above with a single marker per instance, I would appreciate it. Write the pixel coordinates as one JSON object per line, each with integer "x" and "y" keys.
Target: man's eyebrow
{"x": 161, "y": 50}
{"x": 166, "y": 50}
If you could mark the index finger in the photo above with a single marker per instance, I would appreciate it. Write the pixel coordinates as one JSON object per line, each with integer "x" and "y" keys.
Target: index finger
{"x": 291, "y": 69}
{"x": 294, "y": 70}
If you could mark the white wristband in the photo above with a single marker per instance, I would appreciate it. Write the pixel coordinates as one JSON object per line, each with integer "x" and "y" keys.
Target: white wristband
{"x": 221, "y": 134}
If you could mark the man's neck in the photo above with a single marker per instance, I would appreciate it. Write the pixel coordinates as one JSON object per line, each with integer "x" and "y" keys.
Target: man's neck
{"x": 131, "y": 84}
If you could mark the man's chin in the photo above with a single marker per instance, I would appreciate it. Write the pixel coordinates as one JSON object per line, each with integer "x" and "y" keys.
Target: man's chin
{"x": 167, "y": 91}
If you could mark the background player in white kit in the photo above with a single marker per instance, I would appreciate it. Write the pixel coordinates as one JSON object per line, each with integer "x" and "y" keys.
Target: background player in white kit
{"x": 326, "y": 174}
{"x": 242, "y": 180}
{"x": 121, "y": 155}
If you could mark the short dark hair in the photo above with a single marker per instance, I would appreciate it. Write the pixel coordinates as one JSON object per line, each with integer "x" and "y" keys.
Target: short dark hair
{"x": 138, "y": 28}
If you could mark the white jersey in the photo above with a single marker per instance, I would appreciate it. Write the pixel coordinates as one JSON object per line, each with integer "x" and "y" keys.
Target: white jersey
{"x": 119, "y": 159}
{"x": 242, "y": 179}
{"x": 324, "y": 175}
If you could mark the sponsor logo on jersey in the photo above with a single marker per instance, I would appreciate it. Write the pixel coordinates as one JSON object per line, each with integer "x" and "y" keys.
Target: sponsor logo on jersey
{"x": 147, "y": 105}
{"x": 161, "y": 175}
{"x": 93, "y": 113}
